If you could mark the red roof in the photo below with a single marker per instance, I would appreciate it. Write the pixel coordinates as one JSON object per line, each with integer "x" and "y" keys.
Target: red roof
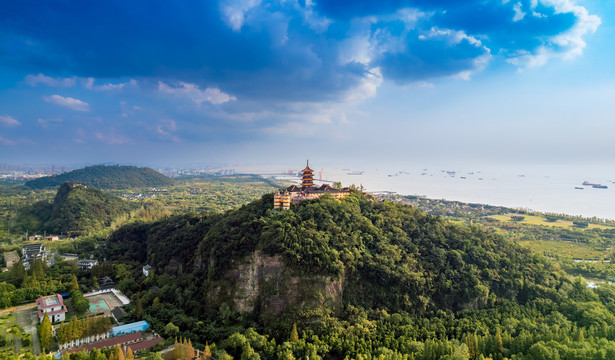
{"x": 106, "y": 343}
{"x": 145, "y": 344}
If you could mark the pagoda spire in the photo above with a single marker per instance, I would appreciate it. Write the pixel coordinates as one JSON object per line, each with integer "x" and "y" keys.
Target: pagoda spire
{"x": 307, "y": 179}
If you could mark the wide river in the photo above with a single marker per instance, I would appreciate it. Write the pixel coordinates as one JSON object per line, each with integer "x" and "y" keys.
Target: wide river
{"x": 541, "y": 188}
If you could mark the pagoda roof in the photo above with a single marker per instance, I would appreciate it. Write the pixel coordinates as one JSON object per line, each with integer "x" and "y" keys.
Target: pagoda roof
{"x": 307, "y": 168}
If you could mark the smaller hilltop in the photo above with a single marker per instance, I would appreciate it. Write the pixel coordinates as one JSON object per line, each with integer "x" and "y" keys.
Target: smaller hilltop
{"x": 106, "y": 177}
{"x": 76, "y": 210}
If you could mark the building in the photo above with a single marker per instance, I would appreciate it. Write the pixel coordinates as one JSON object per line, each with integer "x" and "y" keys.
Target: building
{"x": 32, "y": 252}
{"x": 307, "y": 191}
{"x": 129, "y": 328}
{"x": 106, "y": 283}
{"x": 52, "y": 238}
{"x": 146, "y": 270}
{"x": 11, "y": 258}
{"x": 86, "y": 264}
{"x": 54, "y": 307}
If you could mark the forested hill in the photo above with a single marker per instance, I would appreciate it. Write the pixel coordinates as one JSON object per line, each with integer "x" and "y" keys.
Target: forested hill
{"x": 76, "y": 210}
{"x": 382, "y": 254}
{"x": 106, "y": 177}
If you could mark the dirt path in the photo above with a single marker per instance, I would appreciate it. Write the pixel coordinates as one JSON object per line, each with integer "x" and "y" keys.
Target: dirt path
{"x": 28, "y": 322}
{"x": 16, "y": 308}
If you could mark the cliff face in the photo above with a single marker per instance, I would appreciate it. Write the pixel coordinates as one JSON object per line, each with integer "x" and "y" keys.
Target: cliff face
{"x": 262, "y": 282}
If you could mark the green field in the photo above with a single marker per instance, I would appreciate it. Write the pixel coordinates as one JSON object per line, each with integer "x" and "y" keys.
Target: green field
{"x": 541, "y": 220}
{"x": 565, "y": 249}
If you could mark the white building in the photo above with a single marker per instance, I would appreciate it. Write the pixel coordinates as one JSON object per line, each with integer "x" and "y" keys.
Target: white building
{"x": 54, "y": 307}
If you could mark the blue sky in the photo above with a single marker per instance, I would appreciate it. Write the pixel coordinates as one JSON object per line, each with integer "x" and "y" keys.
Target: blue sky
{"x": 155, "y": 82}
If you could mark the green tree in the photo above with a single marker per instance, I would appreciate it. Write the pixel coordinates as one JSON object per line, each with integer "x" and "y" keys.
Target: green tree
{"x": 294, "y": 335}
{"x": 171, "y": 329}
{"x": 45, "y": 332}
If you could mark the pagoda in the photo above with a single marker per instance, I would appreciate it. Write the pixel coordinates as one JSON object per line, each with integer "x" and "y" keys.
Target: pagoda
{"x": 294, "y": 194}
{"x": 307, "y": 179}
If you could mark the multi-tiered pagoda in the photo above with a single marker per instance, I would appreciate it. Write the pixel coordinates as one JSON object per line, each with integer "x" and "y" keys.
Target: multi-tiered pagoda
{"x": 308, "y": 190}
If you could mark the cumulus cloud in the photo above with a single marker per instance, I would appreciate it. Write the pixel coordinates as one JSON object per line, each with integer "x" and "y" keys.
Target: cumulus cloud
{"x": 292, "y": 50}
{"x": 194, "y": 93}
{"x": 7, "y": 120}
{"x": 68, "y": 102}
{"x": 34, "y": 80}
{"x": 234, "y": 11}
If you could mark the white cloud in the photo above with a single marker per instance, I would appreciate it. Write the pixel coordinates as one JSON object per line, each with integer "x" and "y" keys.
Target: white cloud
{"x": 367, "y": 87}
{"x": 8, "y": 121}
{"x": 112, "y": 138}
{"x": 165, "y": 129}
{"x": 110, "y": 87}
{"x": 34, "y": 80}
{"x": 88, "y": 83}
{"x": 570, "y": 43}
{"x": 68, "y": 102}
{"x": 234, "y": 11}
{"x": 5, "y": 141}
{"x": 45, "y": 123}
{"x": 519, "y": 14}
{"x": 194, "y": 93}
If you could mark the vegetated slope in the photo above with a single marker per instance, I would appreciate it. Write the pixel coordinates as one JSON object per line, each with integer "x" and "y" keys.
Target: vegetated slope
{"x": 106, "y": 177}
{"x": 383, "y": 255}
{"x": 359, "y": 278}
{"x": 76, "y": 210}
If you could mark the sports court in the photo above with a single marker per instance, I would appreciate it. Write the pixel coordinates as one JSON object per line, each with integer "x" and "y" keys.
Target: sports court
{"x": 98, "y": 306}
{"x": 102, "y": 303}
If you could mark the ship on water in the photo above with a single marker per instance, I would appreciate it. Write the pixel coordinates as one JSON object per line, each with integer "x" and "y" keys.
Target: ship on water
{"x": 599, "y": 186}
{"x": 355, "y": 173}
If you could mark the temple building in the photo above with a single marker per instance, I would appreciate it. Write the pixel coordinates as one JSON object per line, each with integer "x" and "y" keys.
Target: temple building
{"x": 295, "y": 194}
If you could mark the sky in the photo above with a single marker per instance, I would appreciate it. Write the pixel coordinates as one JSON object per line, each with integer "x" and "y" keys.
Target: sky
{"x": 256, "y": 81}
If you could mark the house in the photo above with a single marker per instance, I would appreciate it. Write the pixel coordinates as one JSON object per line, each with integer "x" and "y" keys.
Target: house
{"x": 11, "y": 258}
{"x": 52, "y": 238}
{"x": 54, "y": 307}
{"x": 146, "y": 270}
{"x": 32, "y": 252}
{"x": 86, "y": 264}
{"x": 106, "y": 283}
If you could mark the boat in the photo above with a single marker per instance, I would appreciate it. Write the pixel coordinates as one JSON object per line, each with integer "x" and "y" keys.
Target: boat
{"x": 587, "y": 183}
{"x": 599, "y": 186}
{"x": 355, "y": 173}
{"x": 578, "y": 188}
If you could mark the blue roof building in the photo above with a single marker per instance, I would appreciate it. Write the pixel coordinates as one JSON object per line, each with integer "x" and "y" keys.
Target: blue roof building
{"x": 129, "y": 328}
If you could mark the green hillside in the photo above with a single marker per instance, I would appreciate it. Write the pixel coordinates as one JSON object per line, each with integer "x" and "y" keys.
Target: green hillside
{"x": 76, "y": 210}
{"x": 359, "y": 278}
{"x": 106, "y": 177}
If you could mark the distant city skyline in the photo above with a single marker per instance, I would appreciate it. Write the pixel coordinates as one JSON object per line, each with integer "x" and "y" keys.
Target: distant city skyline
{"x": 266, "y": 82}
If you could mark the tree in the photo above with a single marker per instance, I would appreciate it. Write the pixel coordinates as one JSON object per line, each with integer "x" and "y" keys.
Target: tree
{"x": 294, "y": 335}
{"x": 206, "y": 352}
{"x": 138, "y": 312}
{"x": 499, "y": 346}
{"x": 472, "y": 343}
{"x": 171, "y": 329}
{"x": 119, "y": 354}
{"x": 129, "y": 354}
{"x": 45, "y": 332}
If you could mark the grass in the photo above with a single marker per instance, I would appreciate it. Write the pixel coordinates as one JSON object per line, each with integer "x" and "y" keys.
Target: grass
{"x": 565, "y": 249}
{"x": 541, "y": 220}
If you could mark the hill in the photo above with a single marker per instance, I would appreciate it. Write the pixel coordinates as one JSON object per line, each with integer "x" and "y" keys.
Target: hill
{"x": 76, "y": 210}
{"x": 106, "y": 177}
{"x": 358, "y": 277}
